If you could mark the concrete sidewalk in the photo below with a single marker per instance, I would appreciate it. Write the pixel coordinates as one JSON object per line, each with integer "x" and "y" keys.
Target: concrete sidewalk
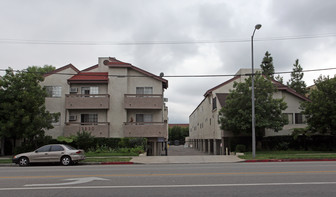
{"x": 186, "y": 159}
{"x": 185, "y": 155}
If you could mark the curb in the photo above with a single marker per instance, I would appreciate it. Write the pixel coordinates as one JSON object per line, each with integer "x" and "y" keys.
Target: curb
{"x": 117, "y": 163}
{"x": 84, "y": 163}
{"x": 287, "y": 160}
{"x": 106, "y": 163}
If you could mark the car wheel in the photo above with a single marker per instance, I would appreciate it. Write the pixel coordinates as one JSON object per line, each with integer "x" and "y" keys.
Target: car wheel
{"x": 23, "y": 161}
{"x": 66, "y": 160}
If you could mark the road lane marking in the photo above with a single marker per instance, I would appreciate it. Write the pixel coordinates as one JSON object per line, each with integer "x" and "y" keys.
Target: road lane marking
{"x": 172, "y": 174}
{"x": 75, "y": 181}
{"x": 169, "y": 186}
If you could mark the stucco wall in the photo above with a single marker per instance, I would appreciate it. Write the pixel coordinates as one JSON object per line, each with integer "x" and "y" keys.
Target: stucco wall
{"x": 199, "y": 120}
{"x": 117, "y": 87}
{"x": 55, "y": 105}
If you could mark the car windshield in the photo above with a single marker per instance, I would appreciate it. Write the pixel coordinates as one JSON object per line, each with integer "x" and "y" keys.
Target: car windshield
{"x": 70, "y": 147}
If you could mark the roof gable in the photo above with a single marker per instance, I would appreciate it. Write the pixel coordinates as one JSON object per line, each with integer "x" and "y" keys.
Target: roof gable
{"x": 220, "y": 85}
{"x": 279, "y": 86}
{"x": 114, "y": 63}
{"x": 222, "y": 98}
{"x": 90, "y": 68}
{"x": 62, "y": 69}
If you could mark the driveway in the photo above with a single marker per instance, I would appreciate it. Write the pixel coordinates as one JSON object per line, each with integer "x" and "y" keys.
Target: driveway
{"x": 183, "y": 151}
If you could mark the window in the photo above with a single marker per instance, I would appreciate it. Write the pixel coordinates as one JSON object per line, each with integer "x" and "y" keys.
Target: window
{"x": 289, "y": 117}
{"x": 143, "y": 118}
{"x": 89, "y": 118}
{"x": 44, "y": 149}
{"x": 144, "y": 90}
{"x": 53, "y": 91}
{"x": 56, "y": 148}
{"x": 300, "y": 118}
{"x": 90, "y": 90}
{"x": 214, "y": 103}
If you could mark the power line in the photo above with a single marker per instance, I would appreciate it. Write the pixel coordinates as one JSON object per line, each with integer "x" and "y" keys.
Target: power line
{"x": 106, "y": 43}
{"x": 176, "y": 76}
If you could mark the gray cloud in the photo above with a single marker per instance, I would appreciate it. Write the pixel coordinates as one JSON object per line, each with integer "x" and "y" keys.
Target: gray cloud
{"x": 158, "y": 20}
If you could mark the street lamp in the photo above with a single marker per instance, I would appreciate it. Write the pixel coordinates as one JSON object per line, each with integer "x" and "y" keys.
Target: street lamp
{"x": 258, "y": 26}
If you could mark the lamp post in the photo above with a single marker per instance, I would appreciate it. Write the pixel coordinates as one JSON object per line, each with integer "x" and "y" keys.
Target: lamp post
{"x": 258, "y": 26}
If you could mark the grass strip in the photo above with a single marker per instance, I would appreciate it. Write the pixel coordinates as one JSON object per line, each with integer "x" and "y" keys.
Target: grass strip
{"x": 5, "y": 161}
{"x": 289, "y": 155}
{"x": 107, "y": 154}
{"x": 106, "y": 159}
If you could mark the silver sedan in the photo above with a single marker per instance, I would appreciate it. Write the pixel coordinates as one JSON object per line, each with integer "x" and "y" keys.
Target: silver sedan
{"x": 52, "y": 153}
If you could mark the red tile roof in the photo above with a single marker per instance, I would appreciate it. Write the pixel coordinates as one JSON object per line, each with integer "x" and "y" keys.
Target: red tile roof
{"x": 89, "y": 77}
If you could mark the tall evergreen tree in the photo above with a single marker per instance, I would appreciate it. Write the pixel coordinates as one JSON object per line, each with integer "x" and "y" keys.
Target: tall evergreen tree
{"x": 267, "y": 66}
{"x": 296, "y": 81}
{"x": 279, "y": 78}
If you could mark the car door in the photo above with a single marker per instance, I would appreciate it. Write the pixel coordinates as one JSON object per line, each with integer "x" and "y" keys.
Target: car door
{"x": 41, "y": 154}
{"x": 56, "y": 153}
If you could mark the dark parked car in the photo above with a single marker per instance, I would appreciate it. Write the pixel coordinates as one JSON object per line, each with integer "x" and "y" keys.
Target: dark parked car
{"x": 53, "y": 153}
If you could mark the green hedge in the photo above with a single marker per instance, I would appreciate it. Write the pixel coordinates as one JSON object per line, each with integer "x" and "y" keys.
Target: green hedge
{"x": 88, "y": 142}
{"x": 313, "y": 143}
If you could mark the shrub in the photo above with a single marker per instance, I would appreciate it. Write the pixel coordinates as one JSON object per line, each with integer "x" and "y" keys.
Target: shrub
{"x": 282, "y": 146}
{"x": 84, "y": 140}
{"x": 240, "y": 148}
{"x": 67, "y": 140}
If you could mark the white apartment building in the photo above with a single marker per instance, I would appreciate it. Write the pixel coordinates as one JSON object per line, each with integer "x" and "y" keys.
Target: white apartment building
{"x": 112, "y": 99}
{"x": 204, "y": 130}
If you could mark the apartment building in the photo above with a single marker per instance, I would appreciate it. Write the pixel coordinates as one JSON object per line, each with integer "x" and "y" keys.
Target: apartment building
{"x": 204, "y": 130}
{"x": 112, "y": 99}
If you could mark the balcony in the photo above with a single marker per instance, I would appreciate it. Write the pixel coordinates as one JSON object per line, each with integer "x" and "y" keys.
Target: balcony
{"x": 143, "y": 101}
{"x": 87, "y": 101}
{"x": 148, "y": 129}
{"x": 99, "y": 129}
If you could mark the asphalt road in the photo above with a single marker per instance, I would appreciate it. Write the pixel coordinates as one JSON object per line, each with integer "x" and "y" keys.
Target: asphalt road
{"x": 226, "y": 179}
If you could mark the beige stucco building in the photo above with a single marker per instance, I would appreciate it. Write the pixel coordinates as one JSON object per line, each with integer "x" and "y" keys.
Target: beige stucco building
{"x": 204, "y": 130}
{"x": 112, "y": 99}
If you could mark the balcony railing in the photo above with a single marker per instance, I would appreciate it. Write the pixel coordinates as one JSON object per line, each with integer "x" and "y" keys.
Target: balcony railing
{"x": 146, "y": 129}
{"x": 87, "y": 101}
{"x": 99, "y": 129}
{"x": 143, "y": 101}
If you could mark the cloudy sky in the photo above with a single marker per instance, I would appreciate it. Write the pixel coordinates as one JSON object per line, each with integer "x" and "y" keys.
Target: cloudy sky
{"x": 190, "y": 37}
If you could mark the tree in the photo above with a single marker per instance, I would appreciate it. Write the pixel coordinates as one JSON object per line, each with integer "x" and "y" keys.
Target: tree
{"x": 296, "y": 81}
{"x": 236, "y": 115}
{"x": 279, "y": 79}
{"x": 267, "y": 66}
{"x": 22, "y": 111}
{"x": 178, "y": 133}
{"x": 321, "y": 111}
